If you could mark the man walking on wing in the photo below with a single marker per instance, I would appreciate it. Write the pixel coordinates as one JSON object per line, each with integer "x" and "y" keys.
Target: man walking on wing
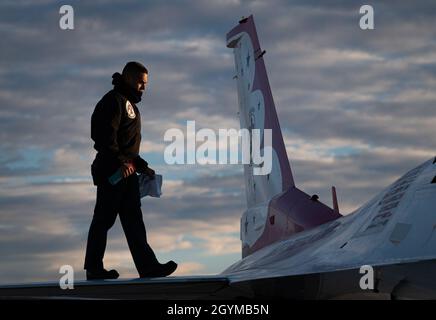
{"x": 116, "y": 131}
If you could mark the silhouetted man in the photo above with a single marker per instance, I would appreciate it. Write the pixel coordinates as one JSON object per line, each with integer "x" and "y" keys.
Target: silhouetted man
{"x": 116, "y": 131}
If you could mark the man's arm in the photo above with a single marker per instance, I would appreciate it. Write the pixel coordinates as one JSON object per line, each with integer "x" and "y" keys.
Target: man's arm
{"x": 105, "y": 122}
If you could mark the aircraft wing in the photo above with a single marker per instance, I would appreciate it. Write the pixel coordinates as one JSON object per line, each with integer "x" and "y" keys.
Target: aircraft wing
{"x": 192, "y": 287}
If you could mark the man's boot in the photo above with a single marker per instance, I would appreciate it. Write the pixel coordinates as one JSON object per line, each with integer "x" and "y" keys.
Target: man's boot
{"x": 101, "y": 274}
{"x": 160, "y": 270}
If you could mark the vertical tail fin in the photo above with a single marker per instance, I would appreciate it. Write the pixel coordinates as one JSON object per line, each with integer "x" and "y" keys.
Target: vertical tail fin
{"x": 257, "y": 111}
{"x": 276, "y": 208}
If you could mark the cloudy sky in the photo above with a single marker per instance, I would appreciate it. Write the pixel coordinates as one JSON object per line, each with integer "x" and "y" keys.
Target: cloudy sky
{"x": 357, "y": 110}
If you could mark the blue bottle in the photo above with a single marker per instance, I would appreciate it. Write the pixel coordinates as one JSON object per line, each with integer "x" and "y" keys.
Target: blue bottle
{"x": 116, "y": 177}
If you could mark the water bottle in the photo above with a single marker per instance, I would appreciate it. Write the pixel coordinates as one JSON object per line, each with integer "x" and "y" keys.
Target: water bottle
{"x": 118, "y": 175}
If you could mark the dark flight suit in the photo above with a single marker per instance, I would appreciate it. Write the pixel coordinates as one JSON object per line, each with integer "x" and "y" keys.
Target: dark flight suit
{"x": 116, "y": 131}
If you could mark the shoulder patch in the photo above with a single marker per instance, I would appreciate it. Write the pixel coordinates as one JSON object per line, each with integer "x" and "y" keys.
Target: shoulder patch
{"x": 130, "y": 110}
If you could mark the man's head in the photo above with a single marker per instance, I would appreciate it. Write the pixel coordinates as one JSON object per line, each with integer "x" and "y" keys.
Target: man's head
{"x": 135, "y": 75}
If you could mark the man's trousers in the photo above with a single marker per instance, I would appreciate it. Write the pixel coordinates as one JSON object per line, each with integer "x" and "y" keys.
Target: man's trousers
{"x": 123, "y": 199}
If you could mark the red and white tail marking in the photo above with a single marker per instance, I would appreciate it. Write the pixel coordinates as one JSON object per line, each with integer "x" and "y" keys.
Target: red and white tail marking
{"x": 267, "y": 218}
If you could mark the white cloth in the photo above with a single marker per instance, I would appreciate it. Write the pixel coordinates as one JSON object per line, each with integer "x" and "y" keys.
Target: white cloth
{"x": 150, "y": 187}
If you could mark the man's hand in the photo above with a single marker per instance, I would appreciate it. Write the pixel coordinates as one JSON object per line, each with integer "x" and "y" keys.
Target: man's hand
{"x": 149, "y": 172}
{"x": 140, "y": 164}
{"x": 142, "y": 167}
{"x": 128, "y": 169}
